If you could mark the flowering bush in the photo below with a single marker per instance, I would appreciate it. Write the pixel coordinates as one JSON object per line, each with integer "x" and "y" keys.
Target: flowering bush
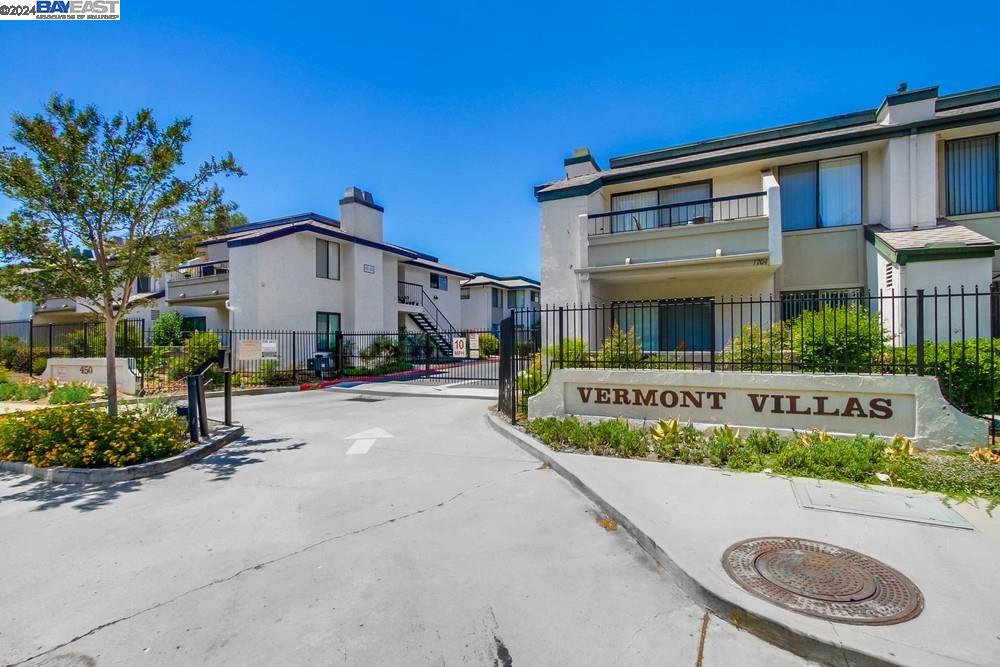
{"x": 81, "y": 437}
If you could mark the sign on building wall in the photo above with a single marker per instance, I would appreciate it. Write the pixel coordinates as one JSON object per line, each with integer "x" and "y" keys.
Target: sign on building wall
{"x": 458, "y": 347}
{"x": 249, "y": 349}
{"x": 850, "y": 404}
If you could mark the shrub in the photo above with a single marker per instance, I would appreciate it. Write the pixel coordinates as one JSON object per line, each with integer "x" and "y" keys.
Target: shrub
{"x": 381, "y": 369}
{"x": 846, "y": 340}
{"x": 168, "y": 329}
{"x": 964, "y": 371}
{"x": 558, "y": 433}
{"x": 39, "y": 364}
{"x": 4, "y": 375}
{"x": 759, "y": 349}
{"x": 15, "y": 354}
{"x": 524, "y": 348}
{"x": 90, "y": 341}
{"x": 269, "y": 375}
{"x": 70, "y": 393}
{"x": 197, "y": 349}
{"x": 153, "y": 359}
{"x": 616, "y": 436}
{"x": 489, "y": 345}
{"x": 382, "y": 348}
{"x": 621, "y": 349}
{"x": 83, "y": 437}
{"x": 672, "y": 442}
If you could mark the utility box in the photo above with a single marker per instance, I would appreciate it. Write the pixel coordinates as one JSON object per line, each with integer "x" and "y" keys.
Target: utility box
{"x": 322, "y": 361}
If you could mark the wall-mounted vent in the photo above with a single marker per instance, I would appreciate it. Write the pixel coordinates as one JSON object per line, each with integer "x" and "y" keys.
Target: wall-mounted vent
{"x": 889, "y": 284}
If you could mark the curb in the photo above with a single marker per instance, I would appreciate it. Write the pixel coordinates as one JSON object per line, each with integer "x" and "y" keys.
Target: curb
{"x": 805, "y": 645}
{"x": 222, "y": 436}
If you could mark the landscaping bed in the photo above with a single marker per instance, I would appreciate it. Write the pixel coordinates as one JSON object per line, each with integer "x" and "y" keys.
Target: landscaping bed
{"x": 23, "y": 392}
{"x": 864, "y": 459}
{"x": 85, "y": 437}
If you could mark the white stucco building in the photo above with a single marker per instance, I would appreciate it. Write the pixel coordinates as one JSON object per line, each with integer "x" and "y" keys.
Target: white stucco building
{"x": 310, "y": 272}
{"x": 895, "y": 198}
{"x": 487, "y": 299}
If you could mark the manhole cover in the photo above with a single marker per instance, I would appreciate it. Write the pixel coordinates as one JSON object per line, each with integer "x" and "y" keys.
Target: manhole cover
{"x": 823, "y": 580}
{"x": 366, "y": 399}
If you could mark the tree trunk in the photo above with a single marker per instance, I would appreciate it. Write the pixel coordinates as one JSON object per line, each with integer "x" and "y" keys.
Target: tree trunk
{"x": 110, "y": 335}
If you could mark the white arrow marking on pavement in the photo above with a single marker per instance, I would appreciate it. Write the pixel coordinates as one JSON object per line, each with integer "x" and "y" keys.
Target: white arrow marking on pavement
{"x": 364, "y": 440}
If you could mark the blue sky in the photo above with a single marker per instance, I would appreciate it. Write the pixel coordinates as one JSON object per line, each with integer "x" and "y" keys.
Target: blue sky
{"x": 451, "y": 112}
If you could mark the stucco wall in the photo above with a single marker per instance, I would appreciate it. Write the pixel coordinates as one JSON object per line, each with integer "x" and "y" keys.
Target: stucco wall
{"x": 10, "y": 310}
{"x": 822, "y": 259}
{"x": 477, "y": 309}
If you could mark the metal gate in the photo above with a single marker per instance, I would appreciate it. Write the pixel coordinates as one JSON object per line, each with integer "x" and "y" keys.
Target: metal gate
{"x": 467, "y": 358}
{"x": 521, "y": 371}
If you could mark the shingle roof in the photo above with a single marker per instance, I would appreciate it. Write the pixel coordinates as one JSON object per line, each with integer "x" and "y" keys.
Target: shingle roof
{"x": 945, "y": 234}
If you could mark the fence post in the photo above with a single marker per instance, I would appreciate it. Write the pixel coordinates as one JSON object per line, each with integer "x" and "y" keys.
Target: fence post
{"x": 31, "y": 347}
{"x": 295, "y": 362}
{"x": 338, "y": 345}
{"x": 711, "y": 358}
{"x": 228, "y": 394}
{"x": 202, "y": 408}
{"x": 920, "y": 332}
{"x": 427, "y": 355}
{"x": 192, "y": 411}
{"x": 562, "y": 317}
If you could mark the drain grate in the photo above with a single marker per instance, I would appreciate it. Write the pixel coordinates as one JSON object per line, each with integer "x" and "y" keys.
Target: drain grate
{"x": 365, "y": 399}
{"x": 823, "y": 580}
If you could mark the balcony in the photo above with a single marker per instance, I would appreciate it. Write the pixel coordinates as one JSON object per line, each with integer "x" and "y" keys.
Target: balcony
{"x": 206, "y": 283}
{"x": 732, "y": 234}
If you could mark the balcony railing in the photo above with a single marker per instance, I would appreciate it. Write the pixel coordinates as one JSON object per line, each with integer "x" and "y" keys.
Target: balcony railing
{"x": 717, "y": 209}
{"x": 412, "y": 294}
{"x": 202, "y": 270}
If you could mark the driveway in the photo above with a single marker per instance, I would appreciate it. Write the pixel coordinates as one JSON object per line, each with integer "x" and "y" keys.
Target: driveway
{"x": 441, "y": 544}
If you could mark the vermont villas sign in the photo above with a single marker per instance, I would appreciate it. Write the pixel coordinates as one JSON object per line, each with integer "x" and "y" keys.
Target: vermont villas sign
{"x": 847, "y": 404}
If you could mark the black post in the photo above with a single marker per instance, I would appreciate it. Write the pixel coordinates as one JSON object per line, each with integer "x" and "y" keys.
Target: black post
{"x": 920, "y": 332}
{"x": 50, "y": 341}
{"x": 295, "y": 365}
{"x": 228, "y": 392}
{"x": 427, "y": 355}
{"x": 562, "y": 314}
{"x": 192, "y": 411}
{"x": 338, "y": 344}
{"x": 202, "y": 409}
{"x": 31, "y": 347}
{"x": 711, "y": 352}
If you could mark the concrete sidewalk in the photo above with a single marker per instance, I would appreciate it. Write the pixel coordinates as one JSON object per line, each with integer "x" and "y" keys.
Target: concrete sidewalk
{"x": 445, "y": 389}
{"x": 686, "y": 516}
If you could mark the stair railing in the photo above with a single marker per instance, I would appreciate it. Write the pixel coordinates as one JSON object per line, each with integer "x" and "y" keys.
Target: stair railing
{"x": 414, "y": 295}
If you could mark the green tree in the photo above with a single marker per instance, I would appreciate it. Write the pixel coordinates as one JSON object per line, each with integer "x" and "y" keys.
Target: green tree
{"x": 168, "y": 329}
{"x": 100, "y": 202}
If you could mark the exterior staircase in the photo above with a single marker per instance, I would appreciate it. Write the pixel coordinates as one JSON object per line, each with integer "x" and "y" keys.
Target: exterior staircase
{"x": 440, "y": 339}
{"x": 429, "y": 319}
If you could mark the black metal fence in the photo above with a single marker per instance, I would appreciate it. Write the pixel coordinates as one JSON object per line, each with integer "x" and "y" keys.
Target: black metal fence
{"x": 26, "y": 346}
{"x": 953, "y": 335}
{"x": 418, "y": 356}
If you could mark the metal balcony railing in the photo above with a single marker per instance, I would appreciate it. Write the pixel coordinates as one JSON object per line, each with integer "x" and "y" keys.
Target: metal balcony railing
{"x": 201, "y": 270}
{"x": 717, "y": 209}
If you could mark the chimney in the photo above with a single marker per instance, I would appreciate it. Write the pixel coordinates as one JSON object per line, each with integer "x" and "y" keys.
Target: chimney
{"x": 360, "y": 215}
{"x": 906, "y": 106}
{"x": 580, "y": 163}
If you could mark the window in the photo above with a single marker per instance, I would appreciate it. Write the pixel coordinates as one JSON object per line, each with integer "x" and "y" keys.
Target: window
{"x": 794, "y": 304}
{"x": 821, "y": 194}
{"x": 534, "y": 297}
{"x": 497, "y": 298}
{"x": 194, "y": 324}
{"x": 327, "y": 259}
{"x": 327, "y": 326}
{"x": 971, "y": 173}
{"x": 143, "y": 285}
{"x": 681, "y": 325}
{"x": 439, "y": 281}
{"x": 662, "y": 217}
{"x": 464, "y": 293}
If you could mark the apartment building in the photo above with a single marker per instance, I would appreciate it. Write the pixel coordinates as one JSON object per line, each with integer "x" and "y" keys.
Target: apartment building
{"x": 487, "y": 299}
{"x": 892, "y": 199}
{"x": 311, "y": 272}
